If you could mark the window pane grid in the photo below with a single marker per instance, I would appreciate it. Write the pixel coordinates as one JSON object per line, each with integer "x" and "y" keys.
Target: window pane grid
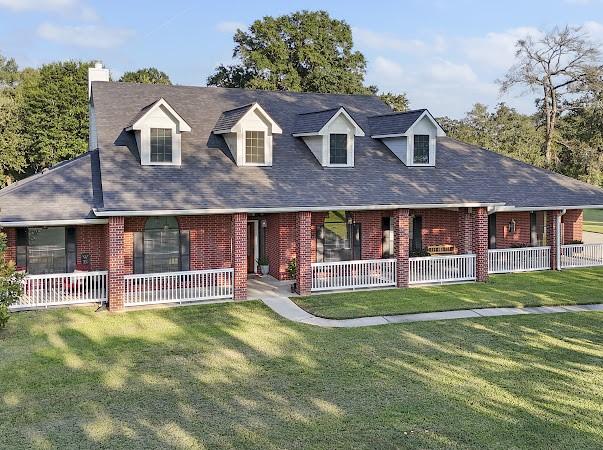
{"x": 161, "y": 145}
{"x": 421, "y": 154}
{"x": 338, "y": 149}
{"x": 254, "y": 147}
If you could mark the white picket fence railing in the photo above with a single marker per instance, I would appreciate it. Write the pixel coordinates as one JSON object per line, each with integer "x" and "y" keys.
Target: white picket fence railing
{"x": 519, "y": 259}
{"x": 353, "y": 274}
{"x": 178, "y": 287}
{"x": 441, "y": 269}
{"x": 41, "y": 291}
{"x": 581, "y": 255}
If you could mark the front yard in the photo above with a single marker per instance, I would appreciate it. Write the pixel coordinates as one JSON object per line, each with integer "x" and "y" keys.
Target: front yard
{"x": 237, "y": 376}
{"x": 593, "y": 220}
{"x": 567, "y": 287}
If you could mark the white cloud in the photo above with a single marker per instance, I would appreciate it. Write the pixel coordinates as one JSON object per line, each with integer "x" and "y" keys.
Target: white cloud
{"x": 496, "y": 49}
{"x": 91, "y": 36}
{"x": 72, "y": 7}
{"x": 449, "y": 72}
{"x": 388, "y": 69}
{"x": 594, "y": 30}
{"x": 229, "y": 26}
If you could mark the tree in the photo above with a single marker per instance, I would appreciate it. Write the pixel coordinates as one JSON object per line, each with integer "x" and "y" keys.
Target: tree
{"x": 149, "y": 75}
{"x": 559, "y": 65}
{"x": 303, "y": 51}
{"x": 397, "y": 102}
{"x": 55, "y": 113}
{"x": 12, "y": 159}
{"x": 10, "y": 283}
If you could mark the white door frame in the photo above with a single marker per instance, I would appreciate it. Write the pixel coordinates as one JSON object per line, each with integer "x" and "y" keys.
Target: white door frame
{"x": 256, "y": 243}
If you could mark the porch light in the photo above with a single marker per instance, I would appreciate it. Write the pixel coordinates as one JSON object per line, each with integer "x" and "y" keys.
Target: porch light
{"x": 512, "y": 226}
{"x": 263, "y": 223}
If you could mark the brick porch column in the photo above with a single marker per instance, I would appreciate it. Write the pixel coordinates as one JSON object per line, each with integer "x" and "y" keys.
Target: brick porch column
{"x": 480, "y": 243}
{"x": 551, "y": 235}
{"x": 115, "y": 263}
{"x": 11, "y": 244}
{"x": 239, "y": 255}
{"x": 401, "y": 218}
{"x": 465, "y": 231}
{"x": 303, "y": 246}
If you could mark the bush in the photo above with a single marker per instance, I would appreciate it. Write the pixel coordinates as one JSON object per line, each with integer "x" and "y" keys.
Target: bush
{"x": 10, "y": 283}
{"x": 419, "y": 253}
{"x": 292, "y": 268}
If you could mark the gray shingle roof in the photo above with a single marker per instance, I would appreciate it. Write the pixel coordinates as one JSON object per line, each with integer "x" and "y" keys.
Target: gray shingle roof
{"x": 393, "y": 123}
{"x": 209, "y": 179}
{"x": 140, "y": 113}
{"x": 229, "y": 119}
{"x": 313, "y": 122}
{"x": 67, "y": 191}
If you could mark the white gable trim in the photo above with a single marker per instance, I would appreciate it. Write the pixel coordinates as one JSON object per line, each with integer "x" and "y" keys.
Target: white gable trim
{"x": 358, "y": 131}
{"x": 182, "y": 125}
{"x": 275, "y": 129}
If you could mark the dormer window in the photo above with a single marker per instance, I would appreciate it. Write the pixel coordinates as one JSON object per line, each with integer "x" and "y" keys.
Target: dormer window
{"x": 255, "y": 147}
{"x": 248, "y": 132}
{"x": 158, "y": 131}
{"x": 161, "y": 145}
{"x": 421, "y": 149}
{"x": 329, "y": 134}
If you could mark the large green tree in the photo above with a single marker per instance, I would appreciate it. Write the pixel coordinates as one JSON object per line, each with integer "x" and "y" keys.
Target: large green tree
{"x": 55, "y": 113}
{"x": 303, "y": 51}
{"x": 149, "y": 75}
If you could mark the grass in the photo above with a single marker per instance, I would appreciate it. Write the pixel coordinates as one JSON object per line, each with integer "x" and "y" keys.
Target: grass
{"x": 593, "y": 220}
{"x": 237, "y": 376}
{"x": 523, "y": 289}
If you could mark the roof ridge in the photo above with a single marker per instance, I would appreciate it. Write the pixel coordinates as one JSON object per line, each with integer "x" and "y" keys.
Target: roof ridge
{"x": 36, "y": 176}
{"x": 240, "y": 107}
{"x": 322, "y": 110}
{"x": 395, "y": 113}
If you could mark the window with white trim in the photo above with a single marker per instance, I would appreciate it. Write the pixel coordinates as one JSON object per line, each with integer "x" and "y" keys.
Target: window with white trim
{"x": 161, "y": 145}
{"x": 338, "y": 148}
{"x": 421, "y": 149}
{"x": 255, "y": 147}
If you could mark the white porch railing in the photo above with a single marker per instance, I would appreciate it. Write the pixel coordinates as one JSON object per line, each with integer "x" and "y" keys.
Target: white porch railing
{"x": 581, "y": 255}
{"x": 519, "y": 259}
{"x": 62, "y": 289}
{"x": 353, "y": 274}
{"x": 178, "y": 287}
{"x": 441, "y": 269}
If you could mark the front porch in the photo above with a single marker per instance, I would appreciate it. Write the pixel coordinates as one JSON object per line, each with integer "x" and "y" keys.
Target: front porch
{"x": 137, "y": 261}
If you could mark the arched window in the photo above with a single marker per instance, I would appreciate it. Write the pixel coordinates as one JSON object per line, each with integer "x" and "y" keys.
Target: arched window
{"x": 161, "y": 248}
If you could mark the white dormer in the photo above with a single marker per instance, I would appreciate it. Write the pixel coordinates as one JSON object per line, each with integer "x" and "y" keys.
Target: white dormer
{"x": 158, "y": 129}
{"x": 248, "y": 132}
{"x": 411, "y": 136}
{"x": 329, "y": 135}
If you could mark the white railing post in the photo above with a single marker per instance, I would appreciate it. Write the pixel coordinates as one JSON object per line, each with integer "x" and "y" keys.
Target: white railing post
{"x": 581, "y": 255}
{"x": 442, "y": 269}
{"x": 519, "y": 259}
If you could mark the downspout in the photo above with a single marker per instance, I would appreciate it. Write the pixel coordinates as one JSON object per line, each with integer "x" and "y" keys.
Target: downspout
{"x": 558, "y": 236}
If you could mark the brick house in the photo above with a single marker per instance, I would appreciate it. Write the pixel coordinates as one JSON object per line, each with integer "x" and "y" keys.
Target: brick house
{"x": 185, "y": 190}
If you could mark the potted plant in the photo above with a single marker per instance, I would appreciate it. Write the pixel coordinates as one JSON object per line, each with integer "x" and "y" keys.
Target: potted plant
{"x": 263, "y": 263}
{"x": 292, "y": 272}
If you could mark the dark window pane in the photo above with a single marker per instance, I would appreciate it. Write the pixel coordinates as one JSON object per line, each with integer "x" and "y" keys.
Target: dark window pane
{"x": 161, "y": 245}
{"x": 46, "y": 252}
{"x": 421, "y": 155}
{"x": 254, "y": 147}
{"x": 339, "y": 240}
{"x": 161, "y": 145}
{"x": 338, "y": 149}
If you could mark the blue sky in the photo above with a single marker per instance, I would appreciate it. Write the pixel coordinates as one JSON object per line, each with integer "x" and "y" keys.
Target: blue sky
{"x": 445, "y": 55}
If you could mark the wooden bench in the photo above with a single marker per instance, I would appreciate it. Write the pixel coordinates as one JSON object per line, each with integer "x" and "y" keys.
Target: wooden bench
{"x": 443, "y": 249}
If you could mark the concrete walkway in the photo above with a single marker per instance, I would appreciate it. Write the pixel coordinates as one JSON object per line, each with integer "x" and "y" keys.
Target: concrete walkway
{"x": 275, "y": 294}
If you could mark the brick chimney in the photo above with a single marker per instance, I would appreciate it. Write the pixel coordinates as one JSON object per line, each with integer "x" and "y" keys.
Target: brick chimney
{"x": 97, "y": 73}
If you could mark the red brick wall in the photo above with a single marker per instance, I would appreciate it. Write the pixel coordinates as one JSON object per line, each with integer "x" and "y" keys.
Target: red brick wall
{"x": 318, "y": 218}
{"x": 280, "y": 243}
{"x": 440, "y": 226}
{"x": 551, "y": 232}
{"x": 480, "y": 242}
{"x": 506, "y": 239}
{"x": 303, "y": 238}
{"x": 465, "y": 234}
{"x": 115, "y": 259}
{"x": 11, "y": 244}
{"x": 573, "y": 221}
{"x": 401, "y": 244}
{"x": 91, "y": 239}
{"x": 131, "y": 226}
{"x": 372, "y": 234}
{"x": 239, "y": 254}
{"x": 211, "y": 241}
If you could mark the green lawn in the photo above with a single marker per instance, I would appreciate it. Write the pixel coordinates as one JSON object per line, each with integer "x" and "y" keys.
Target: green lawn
{"x": 237, "y": 376}
{"x": 523, "y": 289}
{"x": 593, "y": 220}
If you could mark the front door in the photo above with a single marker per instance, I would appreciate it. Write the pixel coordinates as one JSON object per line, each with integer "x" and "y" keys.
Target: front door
{"x": 250, "y": 248}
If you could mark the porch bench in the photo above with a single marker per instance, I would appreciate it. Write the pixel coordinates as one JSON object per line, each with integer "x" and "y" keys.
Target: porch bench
{"x": 442, "y": 249}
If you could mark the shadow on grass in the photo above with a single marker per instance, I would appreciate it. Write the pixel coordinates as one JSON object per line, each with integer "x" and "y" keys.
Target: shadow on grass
{"x": 237, "y": 376}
